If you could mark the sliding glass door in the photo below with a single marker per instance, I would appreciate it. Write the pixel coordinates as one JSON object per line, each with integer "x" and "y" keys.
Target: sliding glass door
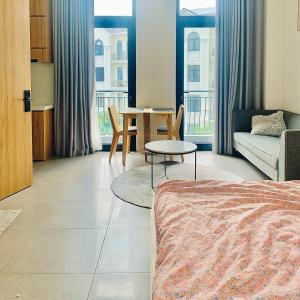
{"x": 114, "y": 59}
{"x": 196, "y": 44}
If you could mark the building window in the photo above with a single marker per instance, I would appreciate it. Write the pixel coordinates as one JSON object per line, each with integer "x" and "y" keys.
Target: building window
{"x": 194, "y": 73}
{"x": 193, "y": 41}
{"x": 120, "y": 73}
{"x": 99, "y": 49}
{"x": 119, "y": 50}
{"x": 193, "y": 103}
{"x": 100, "y": 74}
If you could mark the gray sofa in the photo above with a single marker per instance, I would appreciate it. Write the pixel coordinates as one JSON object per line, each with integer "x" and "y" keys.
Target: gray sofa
{"x": 278, "y": 158}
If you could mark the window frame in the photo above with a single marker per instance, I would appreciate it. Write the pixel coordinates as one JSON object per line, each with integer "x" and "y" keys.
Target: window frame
{"x": 183, "y": 22}
{"x": 128, "y": 22}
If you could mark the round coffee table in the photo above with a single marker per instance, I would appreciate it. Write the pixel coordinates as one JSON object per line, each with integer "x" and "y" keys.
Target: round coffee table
{"x": 170, "y": 147}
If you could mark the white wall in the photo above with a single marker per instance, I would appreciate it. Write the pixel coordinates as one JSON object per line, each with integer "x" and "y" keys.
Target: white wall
{"x": 42, "y": 83}
{"x": 282, "y": 88}
{"x": 156, "y": 53}
{"x": 291, "y": 81}
{"x": 274, "y": 55}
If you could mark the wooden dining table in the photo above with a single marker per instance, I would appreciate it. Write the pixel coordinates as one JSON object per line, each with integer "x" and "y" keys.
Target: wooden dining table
{"x": 147, "y": 122}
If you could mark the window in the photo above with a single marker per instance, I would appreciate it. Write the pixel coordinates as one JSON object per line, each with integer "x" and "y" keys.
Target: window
{"x": 119, "y": 50}
{"x": 113, "y": 8}
{"x": 99, "y": 74}
{"x": 99, "y": 49}
{"x": 192, "y": 8}
{"x": 120, "y": 73}
{"x": 194, "y": 73}
{"x": 193, "y": 42}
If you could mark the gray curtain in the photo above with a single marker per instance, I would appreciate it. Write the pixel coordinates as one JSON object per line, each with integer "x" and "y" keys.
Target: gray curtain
{"x": 73, "y": 47}
{"x": 240, "y": 64}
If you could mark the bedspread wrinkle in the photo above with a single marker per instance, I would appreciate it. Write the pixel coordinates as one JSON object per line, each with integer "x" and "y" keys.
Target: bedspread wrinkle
{"x": 220, "y": 240}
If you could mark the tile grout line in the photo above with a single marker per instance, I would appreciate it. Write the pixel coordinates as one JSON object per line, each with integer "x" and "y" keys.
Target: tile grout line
{"x": 14, "y": 252}
{"x": 107, "y": 228}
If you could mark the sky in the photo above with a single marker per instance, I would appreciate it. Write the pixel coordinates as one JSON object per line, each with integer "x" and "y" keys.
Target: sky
{"x": 123, "y": 7}
{"x": 113, "y": 7}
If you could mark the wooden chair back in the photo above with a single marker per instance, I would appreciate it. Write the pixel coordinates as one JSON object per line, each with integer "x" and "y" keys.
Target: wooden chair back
{"x": 179, "y": 118}
{"x": 114, "y": 119}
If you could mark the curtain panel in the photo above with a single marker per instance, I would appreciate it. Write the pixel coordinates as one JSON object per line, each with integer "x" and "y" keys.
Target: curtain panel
{"x": 73, "y": 35}
{"x": 240, "y": 64}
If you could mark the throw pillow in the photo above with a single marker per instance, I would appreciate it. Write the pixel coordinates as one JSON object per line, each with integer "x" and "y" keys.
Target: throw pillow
{"x": 271, "y": 125}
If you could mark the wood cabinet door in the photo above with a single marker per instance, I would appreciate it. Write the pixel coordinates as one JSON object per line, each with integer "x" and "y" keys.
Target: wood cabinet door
{"x": 39, "y": 7}
{"x": 38, "y": 32}
{"x": 15, "y": 124}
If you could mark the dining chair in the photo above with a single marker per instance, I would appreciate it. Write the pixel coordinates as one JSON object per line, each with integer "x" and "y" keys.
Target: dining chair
{"x": 163, "y": 130}
{"x": 117, "y": 131}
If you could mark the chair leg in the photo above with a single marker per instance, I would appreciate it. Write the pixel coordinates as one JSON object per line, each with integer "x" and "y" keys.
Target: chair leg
{"x": 114, "y": 146}
{"x": 128, "y": 143}
{"x": 146, "y": 157}
{"x": 177, "y": 137}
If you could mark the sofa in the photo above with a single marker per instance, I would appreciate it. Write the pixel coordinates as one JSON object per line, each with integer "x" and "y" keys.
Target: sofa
{"x": 277, "y": 157}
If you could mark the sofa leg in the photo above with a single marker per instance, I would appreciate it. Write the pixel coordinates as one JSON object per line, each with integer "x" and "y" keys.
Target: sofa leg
{"x": 236, "y": 154}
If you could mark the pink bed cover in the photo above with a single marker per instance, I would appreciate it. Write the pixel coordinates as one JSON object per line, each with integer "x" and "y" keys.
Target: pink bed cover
{"x": 219, "y": 240}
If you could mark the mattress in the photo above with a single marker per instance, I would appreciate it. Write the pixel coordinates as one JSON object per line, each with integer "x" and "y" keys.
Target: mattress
{"x": 221, "y": 240}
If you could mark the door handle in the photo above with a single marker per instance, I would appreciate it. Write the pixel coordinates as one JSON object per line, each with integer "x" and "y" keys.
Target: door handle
{"x": 27, "y": 101}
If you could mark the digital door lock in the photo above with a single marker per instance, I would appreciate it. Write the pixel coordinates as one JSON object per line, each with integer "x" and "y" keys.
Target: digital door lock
{"x": 27, "y": 101}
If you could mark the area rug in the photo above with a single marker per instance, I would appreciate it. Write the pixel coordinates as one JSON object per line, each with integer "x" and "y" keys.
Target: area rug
{"x": 6, "y": 219}
{"x": 134, "y": 186}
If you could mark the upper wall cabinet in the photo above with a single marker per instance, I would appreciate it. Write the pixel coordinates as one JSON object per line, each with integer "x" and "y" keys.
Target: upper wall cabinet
{"x": 38, "y": 7}
{"x": 41, "y": 30}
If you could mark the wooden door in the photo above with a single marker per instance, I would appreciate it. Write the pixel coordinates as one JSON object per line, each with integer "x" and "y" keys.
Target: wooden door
{"x": 15, "y": 124}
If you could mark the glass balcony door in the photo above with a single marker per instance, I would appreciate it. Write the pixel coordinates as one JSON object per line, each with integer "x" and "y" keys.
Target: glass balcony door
{"x": 199, "y": 84}
{"x": 196, "y": 42}
{"x": 114, "y": 62}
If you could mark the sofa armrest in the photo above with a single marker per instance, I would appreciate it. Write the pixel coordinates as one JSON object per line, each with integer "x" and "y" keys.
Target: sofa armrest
{"x": 289, "y": 160}
{"x": 242, "y": 119}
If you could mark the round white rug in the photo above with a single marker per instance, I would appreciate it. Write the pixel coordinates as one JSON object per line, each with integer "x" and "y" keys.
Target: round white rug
{"x": 134, "y": 186}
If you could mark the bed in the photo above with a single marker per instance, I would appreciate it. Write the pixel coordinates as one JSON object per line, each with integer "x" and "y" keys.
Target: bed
{"x": 221, "y": 240}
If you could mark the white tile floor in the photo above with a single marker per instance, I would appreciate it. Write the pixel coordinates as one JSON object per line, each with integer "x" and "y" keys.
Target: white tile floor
{"x": 75, "y": 240}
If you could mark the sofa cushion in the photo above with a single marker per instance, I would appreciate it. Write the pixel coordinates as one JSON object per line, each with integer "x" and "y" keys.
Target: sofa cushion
{"x": 264, "y": 147}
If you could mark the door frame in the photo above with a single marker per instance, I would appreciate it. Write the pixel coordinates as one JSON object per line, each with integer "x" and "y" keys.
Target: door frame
{"x": 183, "y": 22}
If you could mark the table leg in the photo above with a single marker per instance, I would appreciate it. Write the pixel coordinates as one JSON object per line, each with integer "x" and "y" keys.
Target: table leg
{"x": 165, "y": 165}
{"x": 195, "y": 165}
{"x": 152, "y": 170}
{"x": 170, "y": 127}
{"x": 169, "y": 121}
{"x": 125, "y": 138}
{"x": 147, "y": 128}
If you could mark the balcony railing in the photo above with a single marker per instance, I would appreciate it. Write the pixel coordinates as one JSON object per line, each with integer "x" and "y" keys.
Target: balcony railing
{"x": 199, "y": 112}
{"x": 104, "y": 99}
{"x": 120, "y": 56}
{"x": 120, "y": 83}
